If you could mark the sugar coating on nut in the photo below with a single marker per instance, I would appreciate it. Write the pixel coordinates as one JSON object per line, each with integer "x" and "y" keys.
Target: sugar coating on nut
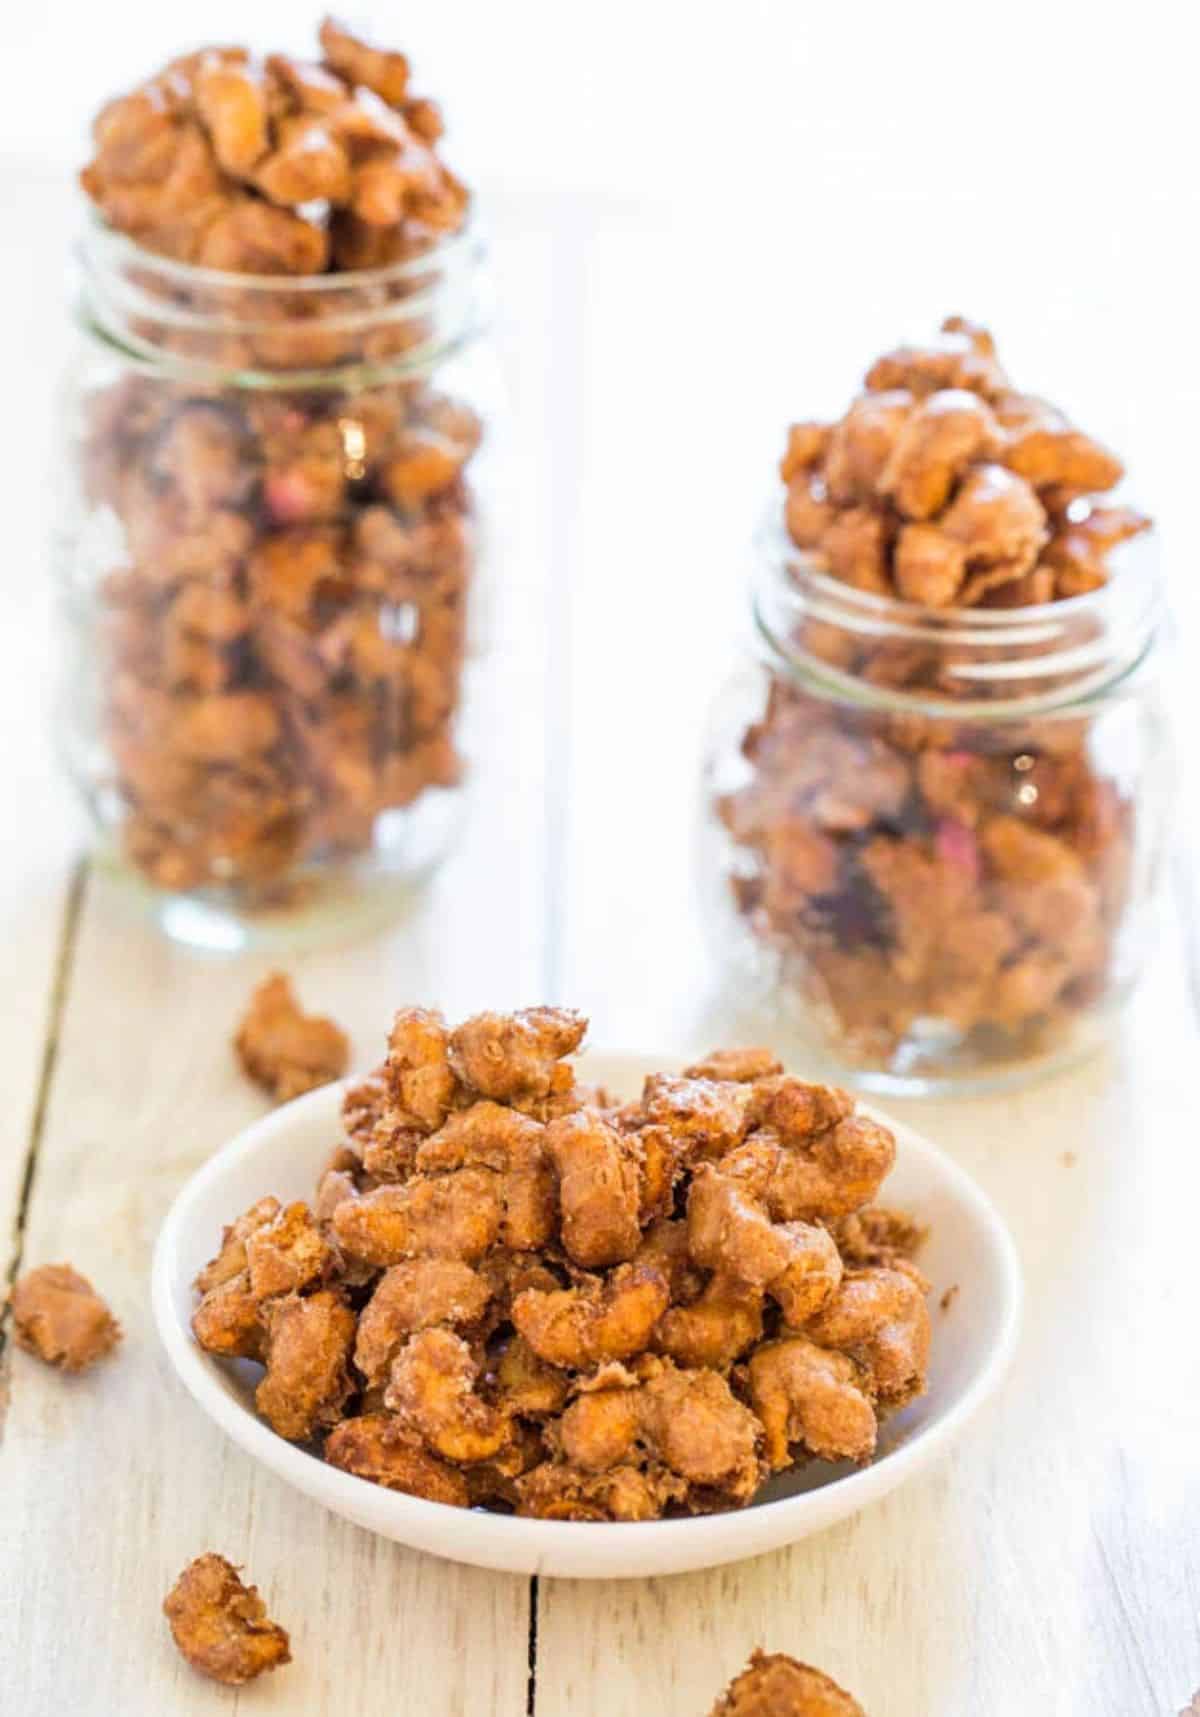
{"x": 60, "y": 1317}
{"x": 221, "y": 1625}
{"x": 980, "y": 475}
{"x": 552, "y": 1304}
{"x": 284, "y": 1049}
{"x": 779, "y": 1686}
{"x": 264, "y": 167}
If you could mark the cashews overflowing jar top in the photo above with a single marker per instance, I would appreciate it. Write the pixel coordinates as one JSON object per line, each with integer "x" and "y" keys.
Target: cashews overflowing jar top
{"x": 270, "y": 553}
{"x": 934, "y": 801}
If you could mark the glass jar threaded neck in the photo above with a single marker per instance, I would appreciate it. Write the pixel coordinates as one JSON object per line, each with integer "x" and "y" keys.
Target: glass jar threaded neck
{"x": 873, "y": 649}
{"x": 281, "y": 330}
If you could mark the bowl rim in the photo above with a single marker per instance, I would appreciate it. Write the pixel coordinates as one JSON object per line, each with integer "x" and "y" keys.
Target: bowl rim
{"x": 508, "y": 1537}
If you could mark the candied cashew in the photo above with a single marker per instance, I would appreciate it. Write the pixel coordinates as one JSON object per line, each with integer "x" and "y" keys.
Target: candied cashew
{"x": 930, "y": 567}
{"x": 309, "y": 165}
{"x": 878, "y": 1235}
{"x": 59, "y": 1317}
{"x": 555, "y": 1491}
{"x": 779, "y": 1686}
{"x": 359, "y": 62}
{"x": 999, "y": 521}
{"x": 741, "y": 1066}
{"x": 226, "y": 1321}
{"x": 433, "y": 1389}
{"x": 443, "y": 1216}
{"x": 878, "y": 1317}
{"x": 381, "y": 1448}
{"x": 855, "y": 546}
{"x": 688, "y": 1420}
{"x": 579, "y": 1328}
{"x": 599, "y": 1430}
{"x": 665, "y": 1247}
{"x": 231, "y": 1259}
{"x": 863, "y": 443}
{"x": 698, "y": 1429}
{"x": 714, "y": 1329}
{"x": 415, "y": 1295}
{"x": 941, "y": 437}
{"x": 599, "y": 1189}
{"x": 253, "y": 237}
{"x": 516, "y": 1148}
{"x": 962, "y": 357}
{"x": 526, "y": 1385}
{"x": 812, "y": 1396}
{"x": 806, "y": 447}
{"x": 287, "y": 1253}
{"x": 417, "y": 1069}
{"x": 511, "y": 1056}
{"x": 307, "y": 1380}
{"x": 1076, "y": 558}
{"x": 221, "y": 1625}
{"x": 731, "y": 1232}
{"x": 231, "y": 99}
{"x": 805, "y": 1173}
{"x": 1051, "y": 895}
{"x": 285, "y": 1050}
{"x": 705, "y": 1116}
{"x": 1046, "y": 450}
{"x": 798, "y": 1109}
{"x": 808, "y": 512}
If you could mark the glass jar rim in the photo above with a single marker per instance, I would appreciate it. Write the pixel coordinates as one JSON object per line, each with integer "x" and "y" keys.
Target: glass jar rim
{"x": 106, "y": 241}
{"x": 133, "y": 300}
{"x": 1085, "y": 647}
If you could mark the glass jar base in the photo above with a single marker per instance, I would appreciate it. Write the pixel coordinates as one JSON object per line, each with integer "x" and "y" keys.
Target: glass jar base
{"x": 772, "y": 998}
{"x": 327, "y": 906}
{"x": 915, "y": 1069}
{"x": 316, "y": 905}
{"x": 973, "y": 1078}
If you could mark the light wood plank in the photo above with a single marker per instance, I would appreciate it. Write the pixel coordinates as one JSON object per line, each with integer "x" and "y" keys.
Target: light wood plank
{"x": 110, "y": 1483}
{"x": 43, "y": 836}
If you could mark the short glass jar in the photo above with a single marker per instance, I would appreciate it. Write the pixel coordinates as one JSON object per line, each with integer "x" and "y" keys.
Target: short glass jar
{"x": 269, "y": 562}
{"x": 931, "y": 837}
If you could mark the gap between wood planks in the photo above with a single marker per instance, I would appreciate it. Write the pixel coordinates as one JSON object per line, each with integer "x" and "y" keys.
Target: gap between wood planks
{"x": 64, "y": 958}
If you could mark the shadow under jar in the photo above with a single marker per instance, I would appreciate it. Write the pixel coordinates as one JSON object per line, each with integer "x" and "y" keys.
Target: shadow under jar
{"x": 931, "y": 836}
{"x": 269, "y": 565}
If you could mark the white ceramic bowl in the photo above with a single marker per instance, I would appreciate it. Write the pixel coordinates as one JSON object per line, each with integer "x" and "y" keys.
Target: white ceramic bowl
{"x": 969, "y": 1249}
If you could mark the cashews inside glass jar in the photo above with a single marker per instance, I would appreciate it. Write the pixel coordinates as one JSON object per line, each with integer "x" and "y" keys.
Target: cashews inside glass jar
{"x": 934, "y": 801}
{"x": 276, "y": 450}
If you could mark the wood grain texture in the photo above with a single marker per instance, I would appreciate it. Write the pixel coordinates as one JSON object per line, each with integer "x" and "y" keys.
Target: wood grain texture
{"x": 113, "y": 1481}
{"x": 42, "y": 834}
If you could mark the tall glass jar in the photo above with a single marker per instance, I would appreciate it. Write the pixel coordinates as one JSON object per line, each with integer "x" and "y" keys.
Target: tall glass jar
{"x": 269, "y": 561}
{"x": 931, "y": 837}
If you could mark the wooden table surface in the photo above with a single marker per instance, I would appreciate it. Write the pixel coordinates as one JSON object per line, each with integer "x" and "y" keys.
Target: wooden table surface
{"x": 1051, "y": 1565}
